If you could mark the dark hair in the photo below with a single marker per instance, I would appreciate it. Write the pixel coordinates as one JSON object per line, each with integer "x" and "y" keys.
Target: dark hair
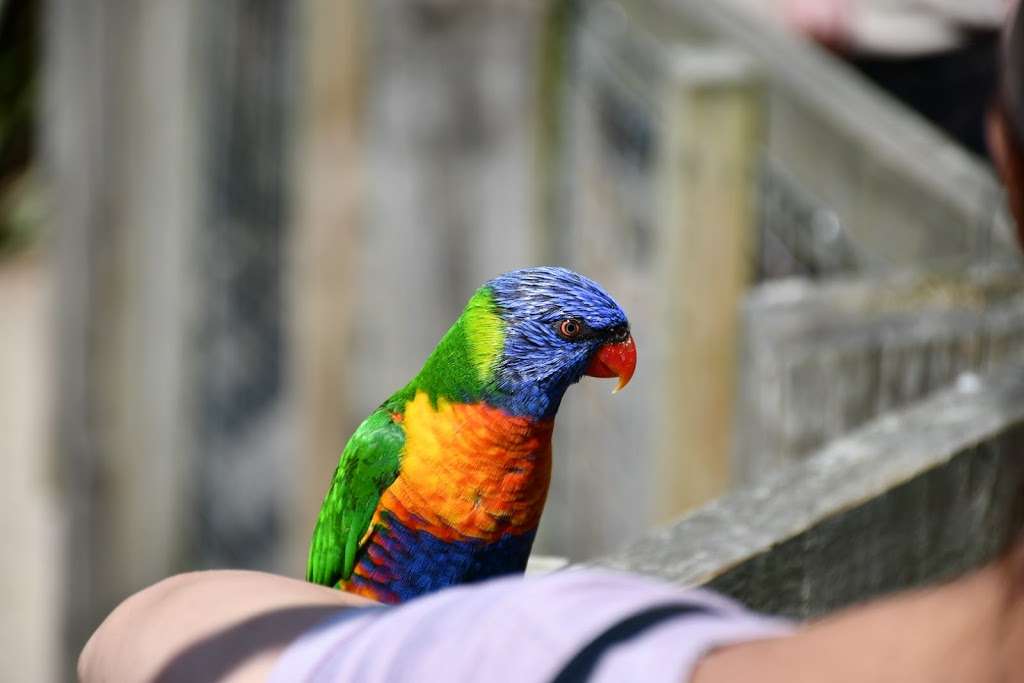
{"x": 1012, "y": 89}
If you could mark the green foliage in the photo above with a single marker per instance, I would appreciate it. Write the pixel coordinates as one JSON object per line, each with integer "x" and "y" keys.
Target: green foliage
{"x": 20, "y": 206}
{"x": 22, "y": 212}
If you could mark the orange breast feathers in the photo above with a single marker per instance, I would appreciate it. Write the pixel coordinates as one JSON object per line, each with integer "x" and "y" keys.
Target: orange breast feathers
{"x": 470, "y": 471}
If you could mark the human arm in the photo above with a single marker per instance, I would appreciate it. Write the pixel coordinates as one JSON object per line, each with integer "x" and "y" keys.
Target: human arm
{"x": 971, "y": 629}
{"x": 234, "y": 622}
{"x": 968, "y": 630}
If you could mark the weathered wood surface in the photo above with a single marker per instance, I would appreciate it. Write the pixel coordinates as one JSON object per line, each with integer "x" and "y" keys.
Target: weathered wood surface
{"x": 329, "y": 184}
{"x": 821, "y": 359}
{"x": 712, "y": 142}
{"x": 166, "y": 141}
{"x": 242, "y": 442}
{"x": 919, "y": 495}
{"x": 653, "y": 166}
{"x": 798, "y": 235}
{"x": 849, "y": 183}
{"x": 449, "y": 115}
{"x": 119, "y": 149}
{"x": 450, "y": 118}
{"x": 873, "y": 162}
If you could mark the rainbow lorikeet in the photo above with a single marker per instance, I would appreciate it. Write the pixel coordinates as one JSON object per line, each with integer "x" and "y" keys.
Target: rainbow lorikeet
{"x": 445, "y": 482}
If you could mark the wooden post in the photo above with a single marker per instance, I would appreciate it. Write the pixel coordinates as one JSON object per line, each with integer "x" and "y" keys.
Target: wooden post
{"x": 321, "y": 283}
{"x": 118, "y": 152}
{"x": 712, "y": 123}
{"x": 242, "y": 438}
{"x": 435, "y": 102}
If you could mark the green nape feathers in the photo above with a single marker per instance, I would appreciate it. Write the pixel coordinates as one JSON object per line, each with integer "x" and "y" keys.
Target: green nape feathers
{"x": 461, "y": 367}
{"x": 484, "y": 333}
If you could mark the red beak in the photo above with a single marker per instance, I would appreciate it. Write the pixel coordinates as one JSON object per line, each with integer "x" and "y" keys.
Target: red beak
{"x": 614, "y": 360}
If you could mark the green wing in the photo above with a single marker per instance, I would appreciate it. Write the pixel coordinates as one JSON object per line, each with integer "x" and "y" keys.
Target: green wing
{"x": 368, "y": 465}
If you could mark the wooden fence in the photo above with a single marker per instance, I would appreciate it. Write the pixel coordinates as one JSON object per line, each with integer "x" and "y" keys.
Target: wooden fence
{"x": 919, "y": 495}
{"x": 266, "y": 213}
{"x": 820, "y": 360}
{"x": 231, "y": 299}
{"x": 119, "y": 145}
{"x": 843, "y": 181}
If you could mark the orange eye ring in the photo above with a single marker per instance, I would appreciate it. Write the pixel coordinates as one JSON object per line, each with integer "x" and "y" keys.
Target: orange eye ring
{"x": 570, "y": 328}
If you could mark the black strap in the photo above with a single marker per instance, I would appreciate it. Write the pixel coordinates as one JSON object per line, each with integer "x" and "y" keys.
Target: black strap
{"x": 582, "y": 665}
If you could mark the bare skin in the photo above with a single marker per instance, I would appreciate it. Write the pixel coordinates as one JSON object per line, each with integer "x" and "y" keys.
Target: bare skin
{"x": 969, "y": 630}
{"x": 192, "y": 626}
{"x": 1009, "y": 160}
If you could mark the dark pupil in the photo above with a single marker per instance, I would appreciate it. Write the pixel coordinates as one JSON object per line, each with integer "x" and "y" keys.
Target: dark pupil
{"x": 570, "y": 328}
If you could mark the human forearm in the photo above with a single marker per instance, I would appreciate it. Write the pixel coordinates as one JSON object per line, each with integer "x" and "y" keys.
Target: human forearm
{"x": 970, "y": 630}
{"x": 162, "y": 631}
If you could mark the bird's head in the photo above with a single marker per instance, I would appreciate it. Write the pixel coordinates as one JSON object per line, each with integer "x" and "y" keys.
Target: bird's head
{"x": 539, "y": 330}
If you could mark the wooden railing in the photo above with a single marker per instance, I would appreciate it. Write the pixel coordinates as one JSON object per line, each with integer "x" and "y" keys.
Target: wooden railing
{"x": 170, "y": 143}
{"x": 919, "y": 495}
{"x": 821, "y": 359}
{"x": 844, "y": 182}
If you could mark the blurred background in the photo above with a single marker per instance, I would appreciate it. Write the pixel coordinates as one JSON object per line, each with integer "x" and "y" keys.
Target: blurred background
{"x": 229, "y": 230}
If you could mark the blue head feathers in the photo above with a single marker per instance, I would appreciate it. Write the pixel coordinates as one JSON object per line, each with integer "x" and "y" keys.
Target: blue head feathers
{"x": 555, "y": 320}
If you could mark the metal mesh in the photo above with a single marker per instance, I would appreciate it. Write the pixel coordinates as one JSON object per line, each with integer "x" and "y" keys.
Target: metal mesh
{"x": 797, "y": 234}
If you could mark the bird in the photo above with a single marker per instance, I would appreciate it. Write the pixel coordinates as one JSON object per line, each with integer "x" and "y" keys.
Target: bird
{"x": 444, "y": 483}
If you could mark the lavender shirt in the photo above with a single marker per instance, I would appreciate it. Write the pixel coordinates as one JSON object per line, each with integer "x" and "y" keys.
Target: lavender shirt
{"x": 522, "y": 630}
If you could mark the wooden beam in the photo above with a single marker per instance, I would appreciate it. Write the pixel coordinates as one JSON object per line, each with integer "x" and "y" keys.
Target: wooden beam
{"x": 119, "y": 150}
{"x": 323, "y": 260}
{"x": 821, "y": 359}
{"x": 713, "y": 125}
{"x": 919, "y": 495}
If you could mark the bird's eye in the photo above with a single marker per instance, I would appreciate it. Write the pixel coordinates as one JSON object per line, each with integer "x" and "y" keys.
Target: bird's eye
{"x": 570, "y": 328}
